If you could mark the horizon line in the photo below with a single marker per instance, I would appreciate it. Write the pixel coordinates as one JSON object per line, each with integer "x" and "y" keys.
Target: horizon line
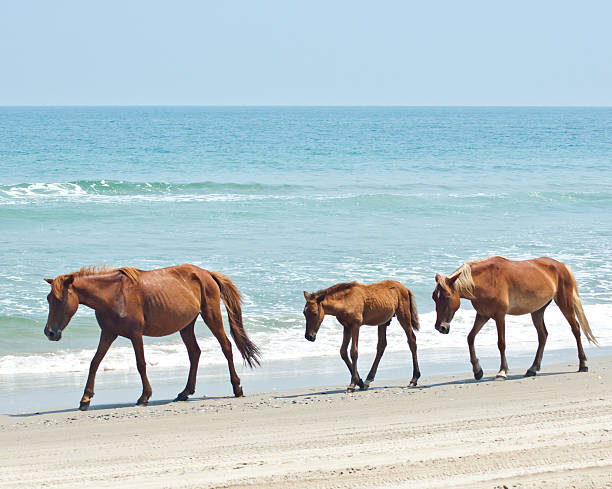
{"x": 291, "y": 106}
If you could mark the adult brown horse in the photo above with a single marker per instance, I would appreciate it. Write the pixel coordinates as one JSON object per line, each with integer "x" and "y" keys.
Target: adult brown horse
{"x": 355, "y": 304}
{"x": 135, "y": 303}
{"x": 497, "y": 286}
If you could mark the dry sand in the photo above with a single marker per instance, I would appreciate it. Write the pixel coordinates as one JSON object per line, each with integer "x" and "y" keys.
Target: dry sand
{"x": 552, "y": 431}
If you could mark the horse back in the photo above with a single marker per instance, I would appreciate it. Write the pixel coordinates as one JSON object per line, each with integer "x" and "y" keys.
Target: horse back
{"x": 519, "y": 287}
{"x": 173, "y": 296}
{"x": 381, "y": 300}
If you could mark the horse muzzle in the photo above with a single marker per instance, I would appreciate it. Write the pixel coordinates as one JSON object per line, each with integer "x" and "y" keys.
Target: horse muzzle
{"x": 443, "y": 328}
{"x": 310, "y": 337}
{"x": 53, "y": 335}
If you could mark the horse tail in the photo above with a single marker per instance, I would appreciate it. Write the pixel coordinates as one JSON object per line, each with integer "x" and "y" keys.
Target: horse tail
{"x": 582, "y": 320}
{"x": 579, "y": 311}
{"x": 414, "y": 315}
{"x": 232, "y": 300}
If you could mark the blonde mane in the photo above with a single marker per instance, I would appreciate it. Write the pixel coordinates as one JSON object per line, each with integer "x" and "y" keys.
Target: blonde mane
{"x": 463, "y": 284}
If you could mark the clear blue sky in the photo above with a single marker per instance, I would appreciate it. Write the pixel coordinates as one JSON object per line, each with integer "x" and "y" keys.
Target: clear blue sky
{"x": 305, "y": 53}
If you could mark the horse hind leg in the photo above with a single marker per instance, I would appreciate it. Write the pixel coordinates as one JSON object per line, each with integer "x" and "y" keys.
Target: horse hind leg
{"x": 405, "y": 321}
{"x": 380, "y": 349}
{"x": 193, "y": 350}
{"x": 214, "y": 320}
{"x": 538, "y": 321}
{"x": 568, "y": 312}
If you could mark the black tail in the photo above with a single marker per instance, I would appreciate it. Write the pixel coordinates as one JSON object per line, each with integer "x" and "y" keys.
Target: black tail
{"x": 232, "y": 300}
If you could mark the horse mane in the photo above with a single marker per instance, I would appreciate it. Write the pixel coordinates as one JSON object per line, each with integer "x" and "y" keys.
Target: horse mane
{"x": 464, "y": 283}
{"x": 334, "y": 289}
{"x": 130, "y": 272}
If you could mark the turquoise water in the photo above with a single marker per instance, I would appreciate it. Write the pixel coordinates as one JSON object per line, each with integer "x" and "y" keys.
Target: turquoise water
{"x": 290, "y": 199}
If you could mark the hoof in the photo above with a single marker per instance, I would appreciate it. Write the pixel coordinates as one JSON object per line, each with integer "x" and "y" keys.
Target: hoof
{"x": 583, "y": 369}
{"x": 141, "y": 402}
{"x": 361, "y": 385}
{"x": 500, "y": 377}
{"x": 413, "y": 383}
{"x": 182, "y": 397}
{"x": 366, "y": 386}
{"x": 238, "y": 392}
{"x": 530, "y": 373}
{"x": 84, "y": 406}
{"x": 478, "y": 375}
{"x": 350, "y": 388}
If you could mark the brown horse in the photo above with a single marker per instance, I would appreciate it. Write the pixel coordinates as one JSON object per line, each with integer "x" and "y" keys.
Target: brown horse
{"x": 355, "y": 304}
{"x": 497, "y": 286}
{"x": 135, "y": 303}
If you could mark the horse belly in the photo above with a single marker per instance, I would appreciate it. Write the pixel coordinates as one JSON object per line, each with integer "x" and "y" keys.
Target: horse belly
{"x": 376, "y": 318}
{"x": 165, "y": 318}
{"x": 526, "y": 305}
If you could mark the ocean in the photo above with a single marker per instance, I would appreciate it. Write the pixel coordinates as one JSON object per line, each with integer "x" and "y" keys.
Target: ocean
{"x": 283, "y": 200}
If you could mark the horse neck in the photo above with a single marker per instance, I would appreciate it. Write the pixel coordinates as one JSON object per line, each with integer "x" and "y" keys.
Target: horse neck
{"x": 96, "y": 291}
{"x": 330, "y": 305}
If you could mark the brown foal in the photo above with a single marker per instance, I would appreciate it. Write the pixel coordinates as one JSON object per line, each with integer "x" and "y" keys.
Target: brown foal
{"x": 497, "y": 286}
{"x": 135, "y": 303}
{"x": 354, "y": 304}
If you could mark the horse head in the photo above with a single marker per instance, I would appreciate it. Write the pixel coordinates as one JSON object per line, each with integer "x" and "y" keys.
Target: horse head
{"x": 63, "y": 303}
{"x": 447, "y": 301}
{"x": 314, "y": 314}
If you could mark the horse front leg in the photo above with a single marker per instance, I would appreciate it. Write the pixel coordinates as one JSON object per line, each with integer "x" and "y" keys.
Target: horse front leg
{"x": 380, "y": 349}
{"x": 138, "y": 345}
{"x": 500, "y": 321}
{"x": 346, "y": 338}
{"x": 355, "y": 379}
{"x": 479, "y": 322}
{"x": 106, "y": 340}
{"x": 193, "y": 350}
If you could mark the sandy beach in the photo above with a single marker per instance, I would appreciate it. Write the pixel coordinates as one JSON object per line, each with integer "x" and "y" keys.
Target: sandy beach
{"x": 551, "y": 431}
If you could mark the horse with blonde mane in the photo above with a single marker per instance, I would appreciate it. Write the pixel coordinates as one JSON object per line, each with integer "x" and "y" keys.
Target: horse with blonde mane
{"x": 135, "y": 303}
{"x": 355, "y": 304}
{"x": 497, "y": 286}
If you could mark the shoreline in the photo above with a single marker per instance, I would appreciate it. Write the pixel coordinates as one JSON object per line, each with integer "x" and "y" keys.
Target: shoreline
{"x": 26, "y": 393}
{"x": 552, "y": 430}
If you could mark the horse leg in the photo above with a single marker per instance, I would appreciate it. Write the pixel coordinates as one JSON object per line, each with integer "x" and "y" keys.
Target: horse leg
{"x": 214, "y": 321}
{"x": 346, "y": 338}
{"x": 500, "y": 321}
{"x": 143, "y": 400}
{"x": 568, "y": 312}
{"x": 106, "y": 340}
{"x": 193, "y": 350}
{"x": 355, "y": 379}
{"x": 380, "y": 349}
{"x": 479, "y": 322}
{"x": 538, "y": 321}
{"x": 412, "y": 343}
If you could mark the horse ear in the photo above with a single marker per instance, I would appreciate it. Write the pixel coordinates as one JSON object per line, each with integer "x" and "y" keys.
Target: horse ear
{"x": 69, "y": 279}
{"x": 437, "y": 277}
{"x": 49, "y": 280}
{"x": 451, "y": 280}
{"x": 306, "y": 295}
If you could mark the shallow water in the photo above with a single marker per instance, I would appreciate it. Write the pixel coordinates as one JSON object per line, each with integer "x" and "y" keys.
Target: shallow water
{"x": 290, "y": 199}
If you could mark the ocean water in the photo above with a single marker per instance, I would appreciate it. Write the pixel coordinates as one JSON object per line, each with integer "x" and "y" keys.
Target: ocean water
{"x": 290, "y": 199}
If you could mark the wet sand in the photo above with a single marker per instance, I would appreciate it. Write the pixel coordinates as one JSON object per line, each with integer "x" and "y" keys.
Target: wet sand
{"x": 551, "y": 431}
